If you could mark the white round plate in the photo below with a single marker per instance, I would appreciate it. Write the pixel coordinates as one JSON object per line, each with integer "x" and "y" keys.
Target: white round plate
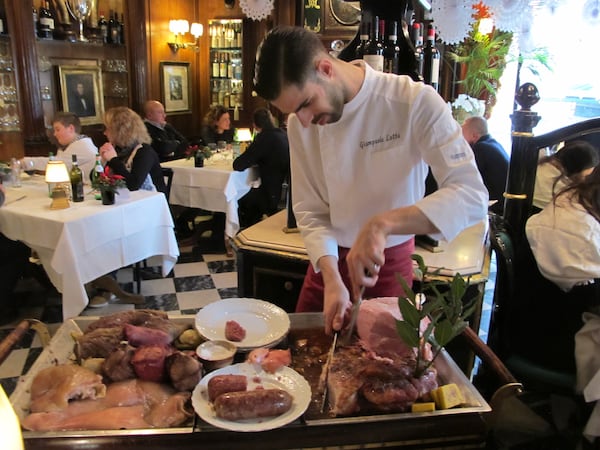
{"x": 266, "y": 324}
{"x": 285, "y": 378}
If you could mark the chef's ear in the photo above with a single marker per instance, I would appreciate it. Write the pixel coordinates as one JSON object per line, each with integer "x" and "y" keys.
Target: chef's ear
{"x": 324, "y": 68}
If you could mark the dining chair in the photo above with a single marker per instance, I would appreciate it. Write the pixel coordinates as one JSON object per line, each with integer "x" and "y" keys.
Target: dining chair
{"x": 533, "y": 322}
{"x": 137, "y": 268}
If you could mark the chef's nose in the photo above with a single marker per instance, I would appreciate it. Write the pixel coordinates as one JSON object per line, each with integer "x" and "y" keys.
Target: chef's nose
{"x": 305, "y": 117}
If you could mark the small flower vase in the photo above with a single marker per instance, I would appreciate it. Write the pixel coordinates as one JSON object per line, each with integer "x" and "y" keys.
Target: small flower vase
{"x": 108, "y": 197}
{"x": 198, "y": 159}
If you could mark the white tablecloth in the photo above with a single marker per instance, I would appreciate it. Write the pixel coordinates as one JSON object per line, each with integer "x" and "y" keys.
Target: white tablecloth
{"x": 214, "y": 187}
{"x": 81, "y": 243}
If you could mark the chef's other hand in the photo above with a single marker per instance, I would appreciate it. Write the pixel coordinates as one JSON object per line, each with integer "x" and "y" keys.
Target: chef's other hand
{"x": 366, "y": 256}
{"x": 107, "y": 152}
{"x": 336, "y": 307}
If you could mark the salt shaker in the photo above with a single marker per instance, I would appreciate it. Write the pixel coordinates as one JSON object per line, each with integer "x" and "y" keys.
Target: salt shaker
{"x": 15, "y": 171}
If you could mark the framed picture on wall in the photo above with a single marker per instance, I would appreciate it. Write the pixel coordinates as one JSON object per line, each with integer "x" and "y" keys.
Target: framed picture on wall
{"x": 175, "y": 86}
{"x": 81, "y": 92}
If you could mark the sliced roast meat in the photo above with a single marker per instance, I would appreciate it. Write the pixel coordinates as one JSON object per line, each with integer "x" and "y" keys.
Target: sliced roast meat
{"x": 99, "y": 343}
{"x": 135, "y": 317}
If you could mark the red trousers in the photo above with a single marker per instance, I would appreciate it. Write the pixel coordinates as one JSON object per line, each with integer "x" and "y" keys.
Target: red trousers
{"x": 397, "y": 262}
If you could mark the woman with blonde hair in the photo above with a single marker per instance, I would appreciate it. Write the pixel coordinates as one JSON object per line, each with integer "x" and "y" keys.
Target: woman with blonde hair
{"x": 128, "y": 151}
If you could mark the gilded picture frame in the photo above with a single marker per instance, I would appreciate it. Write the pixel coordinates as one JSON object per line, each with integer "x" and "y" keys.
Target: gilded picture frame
{"x": 81, "y": 92}
{"x": 175, "y": 86}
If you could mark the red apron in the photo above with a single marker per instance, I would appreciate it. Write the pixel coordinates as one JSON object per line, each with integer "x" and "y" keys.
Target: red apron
{"x": 397, "y": 262}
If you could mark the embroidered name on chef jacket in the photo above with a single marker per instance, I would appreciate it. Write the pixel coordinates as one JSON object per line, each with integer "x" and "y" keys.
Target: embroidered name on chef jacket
{"x": 456, "y": 156}
{"x": 380, "y": 143}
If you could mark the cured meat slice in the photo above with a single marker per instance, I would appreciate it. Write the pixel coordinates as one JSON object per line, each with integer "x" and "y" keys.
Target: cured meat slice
{"x": 234, "y": 331}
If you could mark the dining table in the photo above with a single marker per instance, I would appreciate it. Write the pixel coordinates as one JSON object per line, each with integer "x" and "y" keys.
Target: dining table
{"x": 213, "y": 187}
{"x": 87, "y": 240}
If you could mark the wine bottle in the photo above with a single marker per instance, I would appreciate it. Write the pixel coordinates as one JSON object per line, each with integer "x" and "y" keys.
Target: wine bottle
{"x": 98, "y": 169}
{"x": 122, "y": 30}
{"x": 76, "y": 180}
{"x": 391, "y": 51}
{"x": 418, "y": 42}
{"x": 364, "y": 39}
{"x": 103, "y": 25}
{"x": 223, "y": 65}
{"x": 431, "y": 60}
{"x": 113, "y": 32}
{"x": 45, "y": 21}
{"x": 373, "y": 52}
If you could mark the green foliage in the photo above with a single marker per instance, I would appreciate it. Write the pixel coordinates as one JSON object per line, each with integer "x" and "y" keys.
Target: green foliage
{"x": 484, "y": 59}
{"x": 445, "y": 309}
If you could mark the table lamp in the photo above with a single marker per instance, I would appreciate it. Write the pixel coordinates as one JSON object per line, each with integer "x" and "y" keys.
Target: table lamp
{"x": 56, "y": 177}
{"x": 10, "y": 429}
{"x": 243, "y": 136}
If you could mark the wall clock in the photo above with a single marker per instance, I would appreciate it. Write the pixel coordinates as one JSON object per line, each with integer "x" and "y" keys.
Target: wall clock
{"x": 345, "y": 13}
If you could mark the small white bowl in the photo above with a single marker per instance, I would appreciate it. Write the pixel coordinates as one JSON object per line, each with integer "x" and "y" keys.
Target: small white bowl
{"x": 216, "y": 354}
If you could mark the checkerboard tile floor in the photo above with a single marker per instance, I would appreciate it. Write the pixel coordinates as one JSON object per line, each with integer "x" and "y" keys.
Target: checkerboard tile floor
{"x": 197, "y": 280}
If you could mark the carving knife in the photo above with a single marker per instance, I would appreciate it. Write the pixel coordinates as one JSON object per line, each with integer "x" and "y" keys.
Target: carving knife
{"x": 347, "y": 334}
{"x": 325, "y": 373}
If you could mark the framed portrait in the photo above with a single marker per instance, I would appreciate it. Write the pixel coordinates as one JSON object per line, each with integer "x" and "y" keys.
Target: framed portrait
{"x": 175, "y": 86}
{"x": 81, "y": 92}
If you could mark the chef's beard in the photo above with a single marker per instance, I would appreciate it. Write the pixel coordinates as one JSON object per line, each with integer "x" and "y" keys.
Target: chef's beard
{"x": 336, "y": 100}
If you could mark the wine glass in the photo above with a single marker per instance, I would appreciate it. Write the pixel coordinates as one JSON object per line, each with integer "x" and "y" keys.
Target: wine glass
{"x": 28, "y": 165}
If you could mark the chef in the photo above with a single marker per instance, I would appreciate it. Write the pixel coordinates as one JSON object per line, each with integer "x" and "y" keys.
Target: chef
{"x": 361, "y": 142}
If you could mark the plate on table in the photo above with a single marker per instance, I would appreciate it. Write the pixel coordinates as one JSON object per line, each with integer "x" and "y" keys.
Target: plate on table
{"x": 266, "y": 324}
{"x": 285, "y": 378}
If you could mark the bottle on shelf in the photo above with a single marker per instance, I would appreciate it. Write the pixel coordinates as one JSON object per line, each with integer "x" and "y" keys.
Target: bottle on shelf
{"x": 113, "y": 30}
{"x": 223, "y": 65}
{"x": 45, "y": 21}
{"x": 391, "y": 51}
{"x": 373, "y": 52}
{"x": 431, "y": 60}
{"x": 103, "y": 26}
{"x": 215, "y": 65}
{"x": 364, "y": 39}
{"x": 122, "y": 30}
{"x": 418, "y": 43}
{"x": 35, "y": 21}
{"x": 76, "y": 177}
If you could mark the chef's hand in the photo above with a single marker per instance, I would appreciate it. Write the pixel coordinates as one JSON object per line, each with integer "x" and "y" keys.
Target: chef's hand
{"x": 107, "y": 152}
{"x": 366, "y": 256}
{"x": 336, "y": 298}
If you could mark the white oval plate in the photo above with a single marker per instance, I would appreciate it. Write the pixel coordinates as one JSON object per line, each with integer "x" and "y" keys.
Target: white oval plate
{"x": 285, "y": 378}
{"x": 266, "y": 324}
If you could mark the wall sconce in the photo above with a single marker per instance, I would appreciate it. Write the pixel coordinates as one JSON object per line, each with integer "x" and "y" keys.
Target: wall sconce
{"x": 179, "y": 28}
{"x": 57, "y": 177}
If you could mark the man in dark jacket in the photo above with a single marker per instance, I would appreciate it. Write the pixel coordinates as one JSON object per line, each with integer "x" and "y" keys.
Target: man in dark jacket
{"x": 166, "y": 140}
{"x": 491, "y": 158}
{"x": 269, "y": 151}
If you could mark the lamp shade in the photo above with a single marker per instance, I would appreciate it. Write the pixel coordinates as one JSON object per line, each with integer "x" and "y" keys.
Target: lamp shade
{"x": 244, "y": 134}
{"x": 9, "y": 425}
{"x": 197, "y": 30}
{"x": 56, "y": 172}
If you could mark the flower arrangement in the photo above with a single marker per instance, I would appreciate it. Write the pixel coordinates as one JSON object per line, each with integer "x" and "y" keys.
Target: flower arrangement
{"x": 444, "y": 308}
{"x": 466, "y": 106}
{"x": 194, "y": 151}
{"x": 108, "y": 181}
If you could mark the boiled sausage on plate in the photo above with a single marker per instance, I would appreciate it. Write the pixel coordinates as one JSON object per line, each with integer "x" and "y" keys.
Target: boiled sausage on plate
{"x": 252, "y": 404}
{"x": 221, "y": 384}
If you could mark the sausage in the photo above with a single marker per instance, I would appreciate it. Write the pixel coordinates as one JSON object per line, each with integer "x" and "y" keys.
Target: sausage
{"x": 221, "y": 384}
{"x": 252, "y": 404}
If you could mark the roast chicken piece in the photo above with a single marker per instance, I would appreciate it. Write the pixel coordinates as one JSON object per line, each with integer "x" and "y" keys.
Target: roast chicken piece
{"x": 54, "y": 387}
{"x": 128, "y": 404}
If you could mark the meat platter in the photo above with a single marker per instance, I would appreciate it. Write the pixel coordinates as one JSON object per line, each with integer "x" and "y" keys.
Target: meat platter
{"x": 464, "y": 424}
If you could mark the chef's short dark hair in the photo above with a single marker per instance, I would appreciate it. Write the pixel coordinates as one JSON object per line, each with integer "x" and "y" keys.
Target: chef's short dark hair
{"x": 285, "y": 57}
